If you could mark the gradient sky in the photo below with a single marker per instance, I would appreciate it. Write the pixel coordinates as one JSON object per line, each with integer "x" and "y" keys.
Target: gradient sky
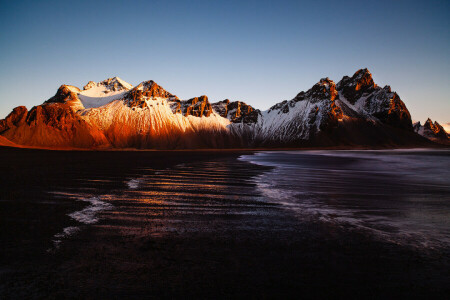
{"x": 260, "y": 52}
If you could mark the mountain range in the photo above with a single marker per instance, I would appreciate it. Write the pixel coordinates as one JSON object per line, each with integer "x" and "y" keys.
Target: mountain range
{"x": 114, "y": 114}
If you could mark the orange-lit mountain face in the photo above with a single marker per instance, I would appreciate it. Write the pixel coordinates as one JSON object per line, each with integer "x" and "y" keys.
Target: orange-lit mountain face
{"x": 114, "y": 114}
{"x": 433, "y": 131}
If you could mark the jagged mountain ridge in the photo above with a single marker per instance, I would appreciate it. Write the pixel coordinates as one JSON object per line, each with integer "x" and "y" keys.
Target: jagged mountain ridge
{"x": 113, "y": 113}
{"x": 433, "y": 131}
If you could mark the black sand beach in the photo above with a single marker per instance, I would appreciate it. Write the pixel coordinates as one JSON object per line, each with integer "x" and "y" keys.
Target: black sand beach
{"x": 182, "y": 224}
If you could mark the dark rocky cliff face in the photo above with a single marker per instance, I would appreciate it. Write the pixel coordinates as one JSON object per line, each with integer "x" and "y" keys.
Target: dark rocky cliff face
{"x": 325, "y": 89}
{"x": 436, "y": 128}
{"x": 433, "y": 131}
{"x": 382, "y": 103}
{"x": 146, "y": 90}
{"x": 395, "y": 112}
{"x": 236, "y": 111}
{"x": 353, "y": 88}
{"x": 197, "y": 107}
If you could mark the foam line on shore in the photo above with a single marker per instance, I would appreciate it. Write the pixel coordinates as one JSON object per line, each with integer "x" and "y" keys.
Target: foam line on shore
{"x": 87, "y": 215}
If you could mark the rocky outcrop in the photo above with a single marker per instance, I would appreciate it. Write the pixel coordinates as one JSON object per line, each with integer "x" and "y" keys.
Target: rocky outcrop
{"x": 353, "y": 88}
{"x": 65, "y": 94}
{"x": 387, "y": 107}
{"x": 433, "y": 131}
{"x": 330, "y": 113}
{"x": 435, "y": 128}
{"x": 144, "y": 91}
{"x": 15, "y": 118}
{"x": 325, "y": 89}
{"x": 368, "y": 99}
{"x": 89, "y": 85}
{"x": 197, "y": 107}
{"x": 114, "y": 84}
{"x": 236, "y": 111}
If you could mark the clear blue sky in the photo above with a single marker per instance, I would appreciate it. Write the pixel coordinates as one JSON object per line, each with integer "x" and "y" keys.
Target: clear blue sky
{"x": 260, "y": 52}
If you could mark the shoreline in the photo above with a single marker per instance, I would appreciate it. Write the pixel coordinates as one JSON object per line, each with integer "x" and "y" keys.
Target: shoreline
{"x": 24, "y": 147}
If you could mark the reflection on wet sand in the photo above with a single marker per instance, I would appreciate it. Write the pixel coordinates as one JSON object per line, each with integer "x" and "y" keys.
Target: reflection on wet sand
{"x": 179, "y": 199}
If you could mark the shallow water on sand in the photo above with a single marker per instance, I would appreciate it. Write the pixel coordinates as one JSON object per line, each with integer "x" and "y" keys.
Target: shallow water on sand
{"x": 203, "y": 196}
{"x": 395, "y": 196}
{"x": 398, "y": 196}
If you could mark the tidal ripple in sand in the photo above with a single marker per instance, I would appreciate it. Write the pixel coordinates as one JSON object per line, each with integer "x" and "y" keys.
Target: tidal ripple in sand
{"x": 179, "y": 198}
{"x": 200, "y": 196}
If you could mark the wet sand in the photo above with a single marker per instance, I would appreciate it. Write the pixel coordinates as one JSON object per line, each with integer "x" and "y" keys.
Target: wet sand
{"x": 182, "y": 224}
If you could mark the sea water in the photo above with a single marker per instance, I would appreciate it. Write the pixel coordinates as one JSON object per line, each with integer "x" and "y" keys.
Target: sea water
{"x": 398, "y": 196}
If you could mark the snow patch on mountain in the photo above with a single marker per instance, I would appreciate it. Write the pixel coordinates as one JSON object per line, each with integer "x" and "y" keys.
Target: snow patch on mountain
{"x": 99, "y": 94}
{"x": 278, "y": 125}
{"x": 155, "y": 119}
{"x": 97, "y": 97}
{"x": 302, "y": 117}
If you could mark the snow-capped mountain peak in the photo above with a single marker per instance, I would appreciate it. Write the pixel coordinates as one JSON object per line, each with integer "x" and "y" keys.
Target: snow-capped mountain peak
{"x": 116, "y": 84}
{"x": 113, "y": 84}
{"x": 103, "y": 92}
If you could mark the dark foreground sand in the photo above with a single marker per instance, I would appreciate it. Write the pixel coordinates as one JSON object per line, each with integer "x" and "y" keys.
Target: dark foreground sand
{"x": 206, "y": 234}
